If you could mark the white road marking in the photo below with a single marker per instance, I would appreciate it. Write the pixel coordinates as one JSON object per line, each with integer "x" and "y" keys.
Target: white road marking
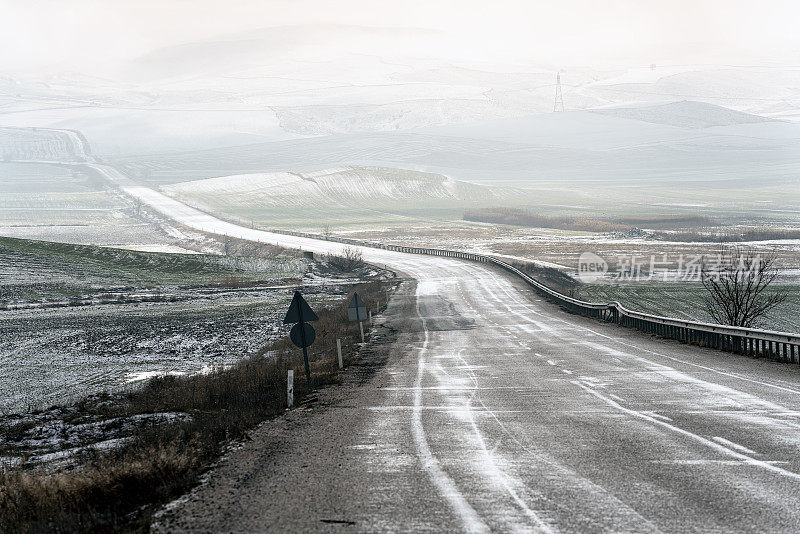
{"x": 700, "y": 439}
{"x": 732, "y": 445}
{"x": 619, "y": 341}
{"x": 490, "y": 464}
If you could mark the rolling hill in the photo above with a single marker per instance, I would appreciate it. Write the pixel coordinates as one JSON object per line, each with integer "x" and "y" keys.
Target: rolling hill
{"x": 344, "y": 195}
{"x": 685, "y": 114}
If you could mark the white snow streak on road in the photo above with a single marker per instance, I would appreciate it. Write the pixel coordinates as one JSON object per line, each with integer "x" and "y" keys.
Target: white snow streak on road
{"x": 470, "y": 520}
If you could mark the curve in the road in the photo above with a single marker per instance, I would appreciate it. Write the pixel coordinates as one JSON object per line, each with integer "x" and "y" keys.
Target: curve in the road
{"x": 576, "y": 429}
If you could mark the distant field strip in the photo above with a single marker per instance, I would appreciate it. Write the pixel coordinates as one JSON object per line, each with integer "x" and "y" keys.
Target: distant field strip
{"x": 685, "y": 300}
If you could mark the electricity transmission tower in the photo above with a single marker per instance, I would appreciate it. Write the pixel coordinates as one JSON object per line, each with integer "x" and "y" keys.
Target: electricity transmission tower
{"x": 559, "y": 103}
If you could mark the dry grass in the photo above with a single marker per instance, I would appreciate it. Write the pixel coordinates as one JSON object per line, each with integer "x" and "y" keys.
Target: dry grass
{"x": 118, "y": 490}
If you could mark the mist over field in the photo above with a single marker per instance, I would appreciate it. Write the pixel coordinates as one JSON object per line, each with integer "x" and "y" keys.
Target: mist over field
{"x": 313, "y": 93}
{"x": 526, "y": 194}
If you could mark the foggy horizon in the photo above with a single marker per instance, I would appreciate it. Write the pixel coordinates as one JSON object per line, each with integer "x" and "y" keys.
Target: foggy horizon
{"x": 87, "y": 36}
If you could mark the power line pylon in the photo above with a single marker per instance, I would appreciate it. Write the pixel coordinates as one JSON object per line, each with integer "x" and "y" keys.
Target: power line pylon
{"x": 559, "y": 103}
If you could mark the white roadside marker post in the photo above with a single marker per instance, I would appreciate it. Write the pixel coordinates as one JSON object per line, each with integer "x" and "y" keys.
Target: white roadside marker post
{"x": 339, "y": 351}
{"x": 361, "y": 329}
{"x": 290, "y": 388}
{"x": 370, "y": 318}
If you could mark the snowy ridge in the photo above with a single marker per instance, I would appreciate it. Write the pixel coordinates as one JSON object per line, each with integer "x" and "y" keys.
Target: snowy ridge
{"x": 341, "y": 185}
{"x": 685, "y": 114}
{"x": 42, "y": 144}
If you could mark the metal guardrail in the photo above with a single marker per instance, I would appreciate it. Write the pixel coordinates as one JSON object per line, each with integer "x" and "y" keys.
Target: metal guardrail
{"x": 781, "y": 346}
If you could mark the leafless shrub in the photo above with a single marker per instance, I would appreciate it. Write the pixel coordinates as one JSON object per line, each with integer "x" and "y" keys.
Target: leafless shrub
{"x": 350, "y": 260}
{"x": 737, "y": 286}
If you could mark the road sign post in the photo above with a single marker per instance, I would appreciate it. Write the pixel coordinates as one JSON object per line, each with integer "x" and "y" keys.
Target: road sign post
{"x": 357, "y": 311}
{"x": 302, "y": 333}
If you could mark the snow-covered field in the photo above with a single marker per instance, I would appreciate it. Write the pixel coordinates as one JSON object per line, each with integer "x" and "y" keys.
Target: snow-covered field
{"x": 345, "y": 196}
{"x": 684, "y": 158}
{"x": 76, "y": 320}
{"x": 68, "y": 203}
{"x": 58, "y": 355}
{"x": 273, "y": 85}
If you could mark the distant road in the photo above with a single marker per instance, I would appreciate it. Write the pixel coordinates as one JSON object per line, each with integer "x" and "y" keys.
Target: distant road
{"x": 497, "y": 411}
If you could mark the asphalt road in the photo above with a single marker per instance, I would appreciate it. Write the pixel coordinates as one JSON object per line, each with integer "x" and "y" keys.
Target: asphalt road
{"x": 496, "y": 411}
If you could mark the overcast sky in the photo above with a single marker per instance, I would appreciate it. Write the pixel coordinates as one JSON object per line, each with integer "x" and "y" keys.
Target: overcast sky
{"x": 77, "y": 34}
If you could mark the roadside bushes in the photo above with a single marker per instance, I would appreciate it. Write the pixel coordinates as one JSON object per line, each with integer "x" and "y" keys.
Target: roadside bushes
{"x": 100, "y": 496}
{"x": 119, "y": 489}
{"x": 551, "y": 277}
{"x": 349, "y": 261}
{"x": 521, "y": 217}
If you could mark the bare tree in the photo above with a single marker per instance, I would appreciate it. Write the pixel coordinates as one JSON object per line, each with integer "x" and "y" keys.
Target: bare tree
{"x": 326, "y": 232}
{"x": 737, "y": 286}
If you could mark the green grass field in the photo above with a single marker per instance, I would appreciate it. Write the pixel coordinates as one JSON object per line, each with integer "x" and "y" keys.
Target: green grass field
{"x": 39, "y": 269}
{"x": 685, "y": 301}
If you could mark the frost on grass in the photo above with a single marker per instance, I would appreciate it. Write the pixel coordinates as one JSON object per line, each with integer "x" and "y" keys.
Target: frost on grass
{"x": 79, "y": 320}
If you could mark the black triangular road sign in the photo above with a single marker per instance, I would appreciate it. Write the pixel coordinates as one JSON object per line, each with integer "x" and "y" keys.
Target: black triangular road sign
{"x": 356, "y": 310}
{"x": 299, "y": 310}
{"x": 356, "y": 302}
